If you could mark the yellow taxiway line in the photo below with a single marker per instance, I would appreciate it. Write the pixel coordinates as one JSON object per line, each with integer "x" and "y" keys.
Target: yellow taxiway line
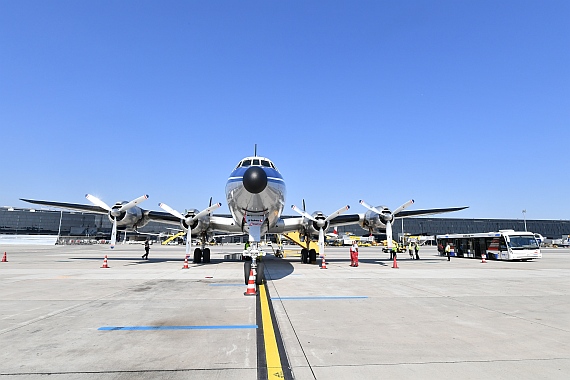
{"x": 274, "y": 368}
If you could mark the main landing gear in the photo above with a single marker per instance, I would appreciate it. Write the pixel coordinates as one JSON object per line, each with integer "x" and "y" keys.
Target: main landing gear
{"x": 308, "y": 256}
{"x": 201, "y": 256}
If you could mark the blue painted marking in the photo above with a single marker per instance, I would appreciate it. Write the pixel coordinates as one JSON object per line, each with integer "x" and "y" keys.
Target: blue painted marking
{"x": 226, "y": 285}
{"x": 146, "y": 328}
{"x": 318, "y": 298}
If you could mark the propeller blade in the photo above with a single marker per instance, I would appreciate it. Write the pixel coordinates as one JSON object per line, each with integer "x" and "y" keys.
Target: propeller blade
{"x": 321, "y": 242}
{"x": 337, "y": 213}
{"x": 97, "y": 202}
{"x": 114, "y": 233}
{"x": 170, "y": 210}
{"x": 206, "y": 211}
{"x": 373, "y": 209}
{"x": 133, "y": 203}
{"x": 305, "y": 214}
{"x": 389, "y": 234}
{"x": 188, "y": 241}
{"x": 396, "y": 211}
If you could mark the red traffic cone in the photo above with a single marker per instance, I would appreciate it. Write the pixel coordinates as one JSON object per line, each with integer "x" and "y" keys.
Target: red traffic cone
{"x": 185, "y": 263}
{"x": 323, "y": 263}
{"x": 105, "y": 262}
{"x": 483, "y": 257}
{"x": 4, "y": 259}
{"x": 395, "y": 265}
{"x": 250, "y": 285}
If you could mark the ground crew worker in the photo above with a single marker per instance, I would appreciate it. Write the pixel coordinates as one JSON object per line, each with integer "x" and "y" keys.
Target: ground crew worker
{"x": 146, "y": 249}
{"x": 411, "y": 250}
{"x": 417, "y": 249}
{"x": 354, "y": 254}
{"x": 447, "y": 251}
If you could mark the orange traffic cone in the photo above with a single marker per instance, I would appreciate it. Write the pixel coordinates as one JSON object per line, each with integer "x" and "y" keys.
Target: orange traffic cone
{"x": 105, "y": 262}
{"x": 395, "y": 265}
{"x": 323, "y": 263}
{"x": 250, "y": 285}
{"x": 4, "y": 259}
{"x": 185, "y": 263}
{"x": 483, "y": 257}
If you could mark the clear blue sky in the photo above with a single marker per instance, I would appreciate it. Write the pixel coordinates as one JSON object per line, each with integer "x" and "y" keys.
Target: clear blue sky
{"x": 451, "y": 103}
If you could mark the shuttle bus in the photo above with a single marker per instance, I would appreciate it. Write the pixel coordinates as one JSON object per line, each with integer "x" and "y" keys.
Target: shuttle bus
{"x": 502, "y": 245}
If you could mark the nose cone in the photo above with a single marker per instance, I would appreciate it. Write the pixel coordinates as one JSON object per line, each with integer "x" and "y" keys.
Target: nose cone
{"x": 255, "y": 180}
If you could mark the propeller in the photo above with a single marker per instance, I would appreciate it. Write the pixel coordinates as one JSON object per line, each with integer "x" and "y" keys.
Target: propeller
{"x": 189, "y": 220}
{"x": 387, "y": 217}
{"x": 115, "y": 212}
{"x": 320, "y": 223}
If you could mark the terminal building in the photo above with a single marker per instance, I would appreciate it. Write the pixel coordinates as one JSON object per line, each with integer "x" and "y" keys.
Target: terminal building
{"x": 70, "y": 224}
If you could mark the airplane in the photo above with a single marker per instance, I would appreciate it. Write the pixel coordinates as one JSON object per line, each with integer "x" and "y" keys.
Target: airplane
{"x": 332, "y": 235}
{"x": 255, "y": 192}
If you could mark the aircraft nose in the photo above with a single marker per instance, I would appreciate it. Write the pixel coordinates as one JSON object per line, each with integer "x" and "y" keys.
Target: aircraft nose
{"x": 255, "y": 179}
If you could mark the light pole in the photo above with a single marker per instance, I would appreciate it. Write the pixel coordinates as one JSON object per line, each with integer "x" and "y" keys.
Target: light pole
{"x": 524, "y": 217}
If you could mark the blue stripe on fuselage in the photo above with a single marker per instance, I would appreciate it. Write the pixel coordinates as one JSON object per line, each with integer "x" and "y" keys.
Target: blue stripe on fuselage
{"x": 272, "y": 175}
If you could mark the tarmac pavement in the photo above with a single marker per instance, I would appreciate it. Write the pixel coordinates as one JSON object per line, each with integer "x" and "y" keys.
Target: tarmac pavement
{"x": 428, "y": 319}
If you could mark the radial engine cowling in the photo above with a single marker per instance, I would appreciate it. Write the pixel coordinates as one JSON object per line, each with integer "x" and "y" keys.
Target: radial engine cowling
{"x": 128, "y": 219}
{"x": 313, "y": 227}
{"x": 199, "y": 225}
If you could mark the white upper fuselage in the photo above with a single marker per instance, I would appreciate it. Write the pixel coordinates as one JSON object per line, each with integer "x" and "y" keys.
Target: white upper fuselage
{"x": 255, "y": 187}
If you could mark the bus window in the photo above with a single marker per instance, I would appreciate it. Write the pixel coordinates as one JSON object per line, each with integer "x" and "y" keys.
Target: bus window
{"x": 523, "y": 242}
{"x": 502, "y": 244}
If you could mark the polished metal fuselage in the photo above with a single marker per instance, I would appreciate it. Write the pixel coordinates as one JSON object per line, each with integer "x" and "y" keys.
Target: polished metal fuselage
{"x": 268, "y": 202}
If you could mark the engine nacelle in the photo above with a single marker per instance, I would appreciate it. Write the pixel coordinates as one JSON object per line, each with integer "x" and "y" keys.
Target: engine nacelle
{"x": 312, "y": 227}
{"x": 130, "y": 219}
{"x": 198, "y": 226}
{"x": 373, "y": 221}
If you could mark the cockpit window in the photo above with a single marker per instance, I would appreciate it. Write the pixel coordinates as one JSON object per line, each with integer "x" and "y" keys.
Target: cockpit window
{"x": 273, "y": 166}
{"x": 265, "y": 163}
{"x": 255, "y": 161}
{"x": 246, "y": 163}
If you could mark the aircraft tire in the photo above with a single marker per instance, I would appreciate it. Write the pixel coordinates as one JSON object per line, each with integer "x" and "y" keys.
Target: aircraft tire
{"x": 197, "y": 256}
{"x": 206, "y": 256}
{"x": 260, "y": 276}
{"x": 246, "y": 269}
{"x": 304, "y": 255}
{"x": 312, "y": 256}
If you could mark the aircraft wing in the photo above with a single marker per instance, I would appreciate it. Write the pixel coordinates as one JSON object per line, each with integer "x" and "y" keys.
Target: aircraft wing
{"x": 431, "y": 211}
{"x": 68, "y": 206}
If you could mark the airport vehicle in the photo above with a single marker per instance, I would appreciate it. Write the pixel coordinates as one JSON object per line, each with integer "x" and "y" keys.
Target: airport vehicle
{"x": 255, "y": 192}
{"x": 502, "y": 245}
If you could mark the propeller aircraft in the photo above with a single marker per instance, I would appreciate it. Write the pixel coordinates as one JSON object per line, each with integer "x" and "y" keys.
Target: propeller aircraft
{"x": 255, "y": 192}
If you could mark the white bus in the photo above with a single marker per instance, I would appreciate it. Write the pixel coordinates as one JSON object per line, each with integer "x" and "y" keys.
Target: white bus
{"x": 503, "y": 245}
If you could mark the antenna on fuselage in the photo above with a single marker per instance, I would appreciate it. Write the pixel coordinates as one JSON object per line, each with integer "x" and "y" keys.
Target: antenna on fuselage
{"x": 255, "y": 150}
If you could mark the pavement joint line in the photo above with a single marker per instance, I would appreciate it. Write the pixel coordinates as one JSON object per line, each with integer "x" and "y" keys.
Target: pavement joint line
{"x": 457, "y": 299}
{"x": 302, "y": 298}
{"x": 441, "y": 362}
{"x": 58, "y": 312}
